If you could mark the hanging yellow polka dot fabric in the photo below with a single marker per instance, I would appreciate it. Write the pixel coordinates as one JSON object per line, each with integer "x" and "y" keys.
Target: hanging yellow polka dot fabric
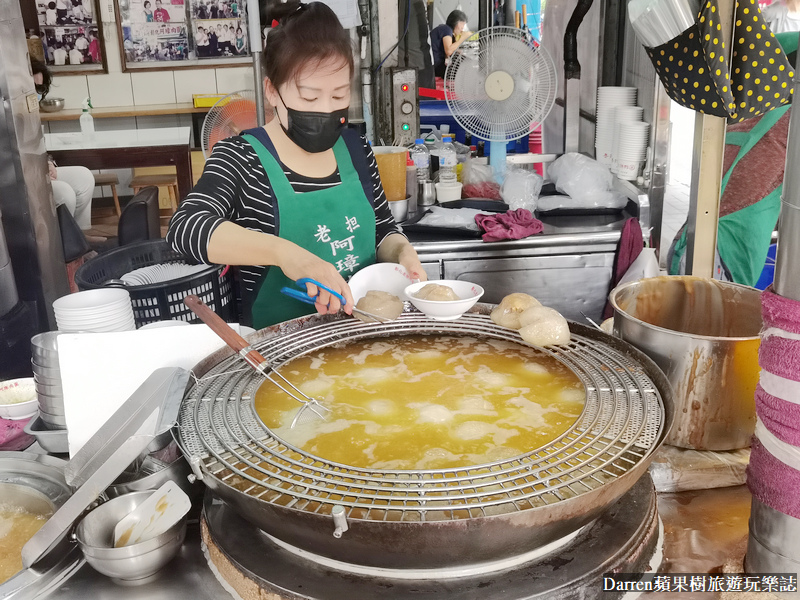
{"x": 695, "y": 72}
{"x": 758, "y": 54}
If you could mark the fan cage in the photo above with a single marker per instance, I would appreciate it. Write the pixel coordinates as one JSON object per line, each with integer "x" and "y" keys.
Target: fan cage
{"x": 516, "y": 53}
{"x": 229, "y": 116}
{"x": 621, "y": 424}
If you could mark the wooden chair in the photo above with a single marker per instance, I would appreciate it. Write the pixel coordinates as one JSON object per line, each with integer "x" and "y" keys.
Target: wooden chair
{"x": 170, "y": 181}
{"x": 112, "y": 180}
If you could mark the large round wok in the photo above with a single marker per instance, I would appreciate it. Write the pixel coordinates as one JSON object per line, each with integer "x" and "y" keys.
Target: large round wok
{"x": 425, "y": 519}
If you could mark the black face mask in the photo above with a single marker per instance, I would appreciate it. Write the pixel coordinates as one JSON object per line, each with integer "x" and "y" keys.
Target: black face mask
{"x": 314, "y": 131}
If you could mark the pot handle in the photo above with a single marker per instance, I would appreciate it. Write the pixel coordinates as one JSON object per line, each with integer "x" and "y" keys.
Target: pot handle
{"x": 224, "y": 331}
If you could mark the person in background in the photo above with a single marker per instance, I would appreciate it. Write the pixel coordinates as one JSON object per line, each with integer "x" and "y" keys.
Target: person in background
{"x": 148, "y": 11}
{"x": 202, "y": 11}
{"x": 82, "y": 44}
{"x": 59, "y": 55}
{"x": 72, "y": 186}
{"x": 201, "y": 39}
{"x": 94, "y": 48}
{"x": 212, "y": 42}
{"x": 77, "y": 12}
{"x": 50, "y": 15}
{"x": 88, "y": 9}
{"x": 240, "y": 41}
{"x": 782, "y": 16}
{"x": 214, "y": 10}
{"x": 220, "y": 40}
{"x": 75, "y": 56}
{"x": 446, "y": 38}
{"x": 160, "y": 15}
{"x": 304, "y": 171}
{"x": 61, "y": 11}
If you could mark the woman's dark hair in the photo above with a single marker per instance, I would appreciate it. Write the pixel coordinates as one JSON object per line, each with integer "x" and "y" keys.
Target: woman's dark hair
{"x": 305, "y": 34}
{"x": 52, "y": 6}
{"x": 455, "y": 17}
{"x": 38, "y": 66}
{"x": 146, "y": 3}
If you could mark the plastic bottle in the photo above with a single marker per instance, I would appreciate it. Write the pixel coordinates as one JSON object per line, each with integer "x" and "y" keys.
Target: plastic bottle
{"x": 86, "y": 120}
{"x": 422, "y": 160}
{"x": 447, "y": 161}
{"x": 411, "y": 185}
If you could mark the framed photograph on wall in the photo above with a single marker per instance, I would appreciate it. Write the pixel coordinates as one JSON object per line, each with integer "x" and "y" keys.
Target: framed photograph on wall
{"x": 177, "y": 34}
{"x": 72, "y": 39}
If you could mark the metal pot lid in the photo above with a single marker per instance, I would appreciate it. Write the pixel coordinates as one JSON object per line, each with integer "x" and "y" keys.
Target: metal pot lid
{"x": 625, "y": 419}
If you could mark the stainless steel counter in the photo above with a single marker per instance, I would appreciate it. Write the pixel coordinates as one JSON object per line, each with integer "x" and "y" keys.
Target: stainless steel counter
{"x": 703, "y": 531}
{"x": 568, "y": 266}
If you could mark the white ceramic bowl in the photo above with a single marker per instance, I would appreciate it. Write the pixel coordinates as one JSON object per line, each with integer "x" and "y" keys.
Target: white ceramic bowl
{"x": 90, "y": 300}
{"x": 162, "y": 324}
{"x": 384, "y": 277}
{"x": 451, "y": 310}
{"x": 18, "y": 399}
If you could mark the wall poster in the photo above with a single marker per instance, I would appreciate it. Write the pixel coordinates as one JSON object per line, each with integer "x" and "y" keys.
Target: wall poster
{"x": 72, "y": 41}
{"x": 183, "y": 33}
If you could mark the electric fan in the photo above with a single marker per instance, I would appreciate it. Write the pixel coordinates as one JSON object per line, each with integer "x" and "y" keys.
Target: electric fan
{"x": 499, "y": 88}
{"x": 230, "y": 116}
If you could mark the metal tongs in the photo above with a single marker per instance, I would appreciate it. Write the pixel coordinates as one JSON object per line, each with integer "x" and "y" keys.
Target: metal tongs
{"x": 302, "y": 295}
{"x": 311, "y": 409}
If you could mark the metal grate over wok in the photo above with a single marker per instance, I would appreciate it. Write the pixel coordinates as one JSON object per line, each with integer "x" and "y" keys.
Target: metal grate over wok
{"x": 622, "y": 423}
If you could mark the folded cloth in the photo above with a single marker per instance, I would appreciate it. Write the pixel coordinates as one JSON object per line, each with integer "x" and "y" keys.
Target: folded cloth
{"x": 13, "y": 436}
{"x": 631, "y": 243}
{"x": 782, "y": 418}
{"x": 780, "y": 312}
{"x": 772, "y": 481}
{"x": 780, "y": 356}
{"x": 511, "y": 225}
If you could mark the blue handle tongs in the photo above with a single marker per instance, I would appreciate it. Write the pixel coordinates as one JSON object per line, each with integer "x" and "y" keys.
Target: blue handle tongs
{"x": 302, "y": 295}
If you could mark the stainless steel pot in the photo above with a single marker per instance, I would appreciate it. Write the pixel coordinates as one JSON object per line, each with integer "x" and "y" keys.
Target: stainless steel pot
{"x": 704, "y": 334}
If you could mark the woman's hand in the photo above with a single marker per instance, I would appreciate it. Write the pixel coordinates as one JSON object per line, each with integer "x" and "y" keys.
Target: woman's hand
{"x": 408, "y": 259}
{"x": 51, "y": 170}
{"x": 397, "y": 249}
{"x": 297, "y": 263}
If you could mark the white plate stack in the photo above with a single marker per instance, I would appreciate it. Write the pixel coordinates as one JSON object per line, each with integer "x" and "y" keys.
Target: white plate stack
{"x": 630, "y": 148}
{"x": 608, "y": 99}
{"x": 160, "y": 273}
{"x": 95, "y": 311}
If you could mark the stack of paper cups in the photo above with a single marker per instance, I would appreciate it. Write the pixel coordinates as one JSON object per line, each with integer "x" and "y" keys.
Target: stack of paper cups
{"x": 608, "y": 99}
{"x": 630, "y": 150}
{"x": 623, "y": 114}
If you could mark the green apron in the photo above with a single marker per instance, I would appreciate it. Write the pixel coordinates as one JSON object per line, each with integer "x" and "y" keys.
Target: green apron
{"x": 743, "y": 237}
{"x": 336, "y": 224}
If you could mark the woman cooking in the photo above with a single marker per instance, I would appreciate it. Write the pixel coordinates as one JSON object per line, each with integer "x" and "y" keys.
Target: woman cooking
{"x": 300, "y": 197}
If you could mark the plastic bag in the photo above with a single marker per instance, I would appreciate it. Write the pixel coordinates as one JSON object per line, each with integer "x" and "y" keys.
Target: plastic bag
{"x": 478, "y": 180}
{"x": 588, "y": 183}
{"x": 521, "y": 189}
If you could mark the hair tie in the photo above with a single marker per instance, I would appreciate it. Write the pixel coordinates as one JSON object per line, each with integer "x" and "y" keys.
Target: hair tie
{"x": 274, "y": 23}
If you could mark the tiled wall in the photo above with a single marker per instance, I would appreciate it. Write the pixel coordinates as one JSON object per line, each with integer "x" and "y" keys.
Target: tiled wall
{"x": 129, "y": 89}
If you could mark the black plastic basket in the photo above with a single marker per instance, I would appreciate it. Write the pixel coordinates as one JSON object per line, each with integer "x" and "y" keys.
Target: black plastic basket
{"x": 160, "y": 301}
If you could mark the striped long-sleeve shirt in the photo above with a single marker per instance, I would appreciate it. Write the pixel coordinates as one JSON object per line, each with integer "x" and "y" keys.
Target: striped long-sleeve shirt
{"x": 234, "y": 187}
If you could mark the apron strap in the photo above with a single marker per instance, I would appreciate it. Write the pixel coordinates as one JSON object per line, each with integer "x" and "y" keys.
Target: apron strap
{"x": 747, "y": 140}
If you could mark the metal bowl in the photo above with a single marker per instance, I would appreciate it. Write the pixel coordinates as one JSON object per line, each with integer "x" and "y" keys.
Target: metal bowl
{"x": 132, "y": 564}
{"x": 51, "y": 105}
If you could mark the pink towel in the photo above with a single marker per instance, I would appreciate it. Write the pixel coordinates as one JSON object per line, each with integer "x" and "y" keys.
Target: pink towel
{"x": 780, "y": 312}
{"x": 511, "y": 225}
{"x": 12, "y": 436}
{"x": 780, "y": 356}
{"x": 773, "y": 482}
{"x": 782, "y": 418}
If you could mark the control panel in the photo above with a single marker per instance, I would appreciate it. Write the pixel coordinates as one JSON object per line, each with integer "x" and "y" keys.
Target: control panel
{"x": 405, "y": 106}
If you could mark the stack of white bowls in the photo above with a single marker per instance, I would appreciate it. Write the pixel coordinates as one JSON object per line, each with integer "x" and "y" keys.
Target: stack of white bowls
{"x": 630, "y": 148}
{"x": 47, "y": 379}
{"x": 608, "y": 99}
{"x": 95, "y": 311}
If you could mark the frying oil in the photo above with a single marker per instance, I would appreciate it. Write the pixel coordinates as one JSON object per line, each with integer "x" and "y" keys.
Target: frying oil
{"x": 17, "y": 526}
{"x": 425, "y": 402}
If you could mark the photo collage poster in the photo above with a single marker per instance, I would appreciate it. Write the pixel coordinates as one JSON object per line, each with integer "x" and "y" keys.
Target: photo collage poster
{"x": 155, "y": 30}
{"x": 175, "y": 30}
{"x": 69, "y": 34}
{"x": 219, "y": 28}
